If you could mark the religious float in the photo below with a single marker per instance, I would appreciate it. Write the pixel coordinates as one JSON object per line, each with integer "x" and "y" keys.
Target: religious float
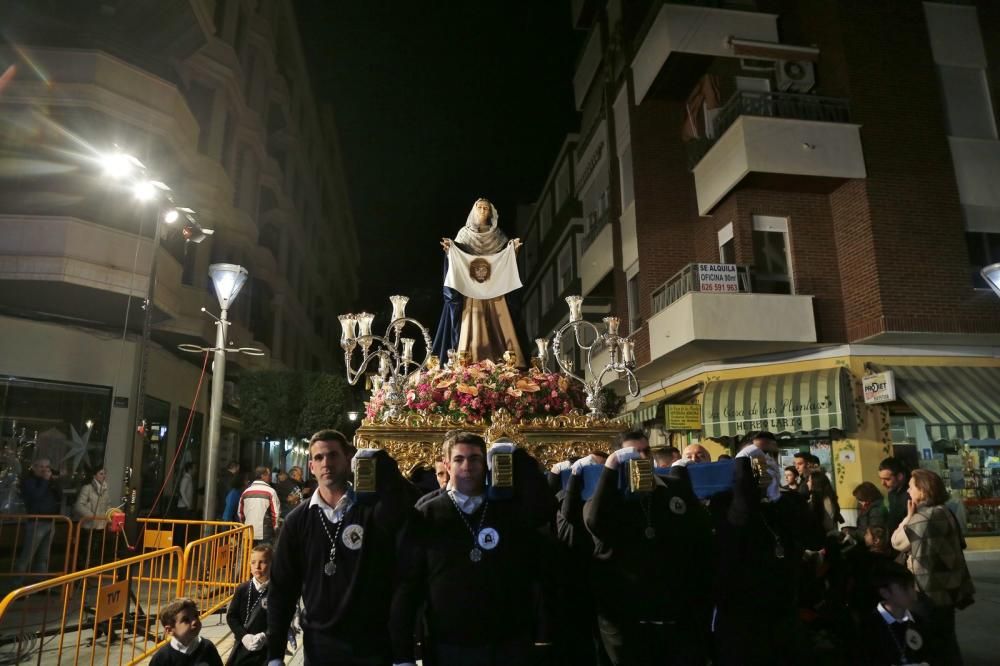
{"x": 480, "y": 381}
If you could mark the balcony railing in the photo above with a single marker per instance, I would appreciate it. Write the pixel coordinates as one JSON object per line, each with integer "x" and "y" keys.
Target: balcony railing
{"x": 595, "y": 229}
{"x": 688, "y": 279}
{"x": 772, "y": 105}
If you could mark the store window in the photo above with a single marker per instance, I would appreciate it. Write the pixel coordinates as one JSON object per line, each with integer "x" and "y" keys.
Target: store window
{"x": 772, "y": 260}
{"x": 154, "y": 459}
{"x": 66, "y": 423}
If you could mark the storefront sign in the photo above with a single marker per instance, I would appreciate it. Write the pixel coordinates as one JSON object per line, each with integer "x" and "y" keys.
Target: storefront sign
{"x": 684, "y": 417}
{"x": 718, "y": 278}
{"x": 879, "y": 387}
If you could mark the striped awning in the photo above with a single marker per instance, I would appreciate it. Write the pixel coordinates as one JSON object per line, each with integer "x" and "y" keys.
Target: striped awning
{"x": 799, "y": 402}
{"x": 955, "y": 402}
{"x": 644, "y": 413}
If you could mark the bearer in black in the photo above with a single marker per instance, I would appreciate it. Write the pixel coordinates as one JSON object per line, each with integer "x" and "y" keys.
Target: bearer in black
{"x": 338, "y": 553}
{"x": 644, "y": 616}
{"x": 470, "y": 558}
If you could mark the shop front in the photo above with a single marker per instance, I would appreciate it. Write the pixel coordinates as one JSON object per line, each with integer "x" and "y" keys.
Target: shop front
{"x": 947, "y": 419}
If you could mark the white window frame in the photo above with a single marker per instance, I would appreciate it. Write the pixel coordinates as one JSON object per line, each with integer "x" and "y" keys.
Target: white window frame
{"x": 724, "y": 235}
{"x": 775, "y": 224}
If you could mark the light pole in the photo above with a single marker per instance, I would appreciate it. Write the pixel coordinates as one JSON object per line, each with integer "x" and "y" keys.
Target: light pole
{"x": 228, "y": 279}
{"x": 123, "y": 167}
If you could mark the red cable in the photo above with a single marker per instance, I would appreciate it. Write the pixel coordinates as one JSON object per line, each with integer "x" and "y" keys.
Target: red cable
{"x": 181, "y": 445}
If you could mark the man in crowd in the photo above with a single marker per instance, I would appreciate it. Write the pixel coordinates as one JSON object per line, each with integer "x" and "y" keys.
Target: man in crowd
{"x": 640, "y": 615}
{"x": 467, "y": 557}
{"x": 289, "y": 491}
{"x": 895, "y": 479}
{"x": 42, "y": 496}
{"x": 338, "y": 552}
{"x": 696, "y": 453}
{"x": 666, "y": 456}
{"x": 260, "y": 507}
{"x": 763, "y": 446}
{"x": 441, "y": 473}
{"x": 225, "y": 484}
{"x": 804, "y": 467}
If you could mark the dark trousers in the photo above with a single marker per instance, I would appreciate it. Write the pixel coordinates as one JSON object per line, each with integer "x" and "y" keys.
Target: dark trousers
{"x": 939, "y": 622}
{"x": 321, "y": 649}
{"x": 743, "y": 638}
{"x": 635, "y": 643}
{"x": 496, "y": 654}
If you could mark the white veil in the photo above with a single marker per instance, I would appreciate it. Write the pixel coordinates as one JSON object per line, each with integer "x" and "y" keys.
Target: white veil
{"x": 489, "y": 241}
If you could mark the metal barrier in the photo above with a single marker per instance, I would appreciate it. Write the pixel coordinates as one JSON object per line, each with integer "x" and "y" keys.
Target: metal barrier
{"x": 33, "y": 548}
{"x": 105, "y": 614}
{"x": 214, "y": 566}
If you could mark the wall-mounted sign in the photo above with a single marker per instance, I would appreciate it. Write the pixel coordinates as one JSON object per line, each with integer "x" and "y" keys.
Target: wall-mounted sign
{"x": 683, "y": 417}
{"x": 721, "y": 278}
{"x": 879, "y": 387}
{"x": 111, "y": 600}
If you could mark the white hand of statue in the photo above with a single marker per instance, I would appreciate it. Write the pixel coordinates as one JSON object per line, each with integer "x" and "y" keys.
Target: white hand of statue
{"x": 446, "y": 244}
{"x": 621, "y": 455}
{"x": 583, "y": 462}
{"x": 560, "y": 466}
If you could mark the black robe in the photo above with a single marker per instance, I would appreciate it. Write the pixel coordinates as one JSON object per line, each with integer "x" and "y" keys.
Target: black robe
{"x": 204, "y": 655}
{"x": 236, "y": 615}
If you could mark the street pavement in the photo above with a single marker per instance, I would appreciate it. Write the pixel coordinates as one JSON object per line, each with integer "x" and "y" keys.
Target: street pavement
{"x": 979, "y": 624}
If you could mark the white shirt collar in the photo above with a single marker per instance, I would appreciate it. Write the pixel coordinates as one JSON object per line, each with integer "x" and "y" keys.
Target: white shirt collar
{"x": 185, "y": 649}
{"x": 890, "y": 618}
{"x": 258, "y": 586}
{"x": 335, "y": 513}
{"x": 466, "y": 503}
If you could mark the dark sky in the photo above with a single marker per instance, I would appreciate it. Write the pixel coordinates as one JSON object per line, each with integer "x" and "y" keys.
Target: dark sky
{"x": 438, "y": 103}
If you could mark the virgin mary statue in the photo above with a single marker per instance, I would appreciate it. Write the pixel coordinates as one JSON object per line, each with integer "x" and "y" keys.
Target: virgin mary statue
{"x": 486, "y": 264}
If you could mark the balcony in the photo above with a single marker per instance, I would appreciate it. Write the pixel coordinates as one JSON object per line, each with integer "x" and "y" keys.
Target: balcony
{"x": 774, "y": 134}
{"x": 708, "y": 312}
{"x": 598, "y": 253}
{"x": 701, "y": 29}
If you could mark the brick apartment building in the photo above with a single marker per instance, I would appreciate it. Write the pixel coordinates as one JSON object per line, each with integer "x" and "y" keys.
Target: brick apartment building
{"x": 779, "y": 199}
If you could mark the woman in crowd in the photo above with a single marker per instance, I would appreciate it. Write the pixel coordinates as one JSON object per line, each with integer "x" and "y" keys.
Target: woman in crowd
{"x": 91, "y": 508}
{"x": 823, "y": 502}
{"x": 930, "y": 537}
{"x": 871, "y": 509}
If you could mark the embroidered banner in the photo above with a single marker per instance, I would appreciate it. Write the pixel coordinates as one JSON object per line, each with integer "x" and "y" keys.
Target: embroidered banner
{"x": 482, "y": 277}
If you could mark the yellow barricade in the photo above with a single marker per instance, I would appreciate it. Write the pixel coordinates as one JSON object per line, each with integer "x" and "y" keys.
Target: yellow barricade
{"x": 106, "y": 614}
{"x": 215, "y": 565}
{"x": 33, "y": 548}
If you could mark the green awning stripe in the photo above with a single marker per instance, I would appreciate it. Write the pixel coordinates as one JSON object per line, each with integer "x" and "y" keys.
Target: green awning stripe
{"x": 818, "y": 400}
{"x": 955, "y": 402}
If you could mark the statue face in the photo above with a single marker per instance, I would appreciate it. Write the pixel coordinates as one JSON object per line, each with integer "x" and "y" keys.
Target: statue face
{"x": 483, "y": 212}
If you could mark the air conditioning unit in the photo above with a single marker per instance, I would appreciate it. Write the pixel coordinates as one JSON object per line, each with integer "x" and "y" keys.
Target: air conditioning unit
{"x": 795, "y": 75}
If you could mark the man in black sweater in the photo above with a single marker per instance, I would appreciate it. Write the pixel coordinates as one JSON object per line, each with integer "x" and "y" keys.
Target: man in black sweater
{"x": 645, "y": 619}
{"x": 338, "y": 553}
{"x": 469, "y": 558}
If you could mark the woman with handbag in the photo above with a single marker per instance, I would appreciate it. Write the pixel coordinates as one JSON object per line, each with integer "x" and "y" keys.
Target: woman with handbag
{"x": 932, "y": 541}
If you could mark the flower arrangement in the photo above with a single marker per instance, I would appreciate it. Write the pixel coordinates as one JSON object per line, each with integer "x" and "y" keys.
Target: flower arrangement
{"x": 474, "y": 391}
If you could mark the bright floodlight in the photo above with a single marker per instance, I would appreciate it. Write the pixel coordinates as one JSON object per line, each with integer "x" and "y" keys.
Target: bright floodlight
{"x": 144, "y": 190}
{"x": 991, "y": 274}
{"x": 118, "y": 165}
{"x": 228, "y": 280}
{"x": 171, "y": 216}
{"x": 352, "y": 416}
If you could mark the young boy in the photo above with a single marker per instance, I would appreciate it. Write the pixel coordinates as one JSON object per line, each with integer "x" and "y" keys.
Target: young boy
{"x": 247, "y": 613}
{"x": 889, "y": 633}
{"x": 181, "y": 622}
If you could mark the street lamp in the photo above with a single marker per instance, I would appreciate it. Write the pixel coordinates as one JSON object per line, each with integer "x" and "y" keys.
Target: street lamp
{"x": 124, "y": 167}
{"x": 228, "y": 279}
{"x": 991, "y": 274}
{"x": 352, "y": 416}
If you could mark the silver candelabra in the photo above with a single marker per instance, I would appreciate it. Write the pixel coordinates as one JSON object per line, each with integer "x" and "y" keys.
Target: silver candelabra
{"x": 621, "y": 352}
{"x": 393, "y": 351}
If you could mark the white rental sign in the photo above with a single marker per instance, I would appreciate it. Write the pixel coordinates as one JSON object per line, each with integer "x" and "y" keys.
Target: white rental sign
{"x": 879, "y": 387}
{"x": 718, "y": 278}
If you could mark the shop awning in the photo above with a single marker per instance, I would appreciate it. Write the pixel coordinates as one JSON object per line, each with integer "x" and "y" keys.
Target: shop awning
{"x": 799, "y": 402}
{"x": 956, "y": 402}
{"x": 644, "y": 413}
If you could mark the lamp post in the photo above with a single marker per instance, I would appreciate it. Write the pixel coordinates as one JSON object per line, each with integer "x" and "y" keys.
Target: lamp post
{"x": 991, "y": 274}
{"x": 123, "y": 167}
{"x": 228, "y": 279}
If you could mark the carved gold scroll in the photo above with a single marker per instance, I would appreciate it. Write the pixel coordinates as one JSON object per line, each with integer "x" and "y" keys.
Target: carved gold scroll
{"x": 415, "y": 439}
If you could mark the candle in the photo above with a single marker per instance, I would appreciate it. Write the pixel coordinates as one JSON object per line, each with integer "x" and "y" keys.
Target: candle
{"x": 575, "y": 307}
{"x": 348, "y": 325}
{"x": 612, "y": 323}
{"x": 398, "y": 306}
{"x": 365, "y": 323}
{"x": 628, "y": 352}
{"x": 408, "y": 349}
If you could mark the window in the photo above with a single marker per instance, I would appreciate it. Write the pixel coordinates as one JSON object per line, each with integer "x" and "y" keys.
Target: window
{"x": 727, "y": 248}
{"x": 984, "y": 249}
{"x": 772, "y": 265}
{"x": 547, "y": 287}
{"x": 634, "y": 319}
{"x": 563, "y": 185}
{"x": 625, "y": 173}
{"x": 545, "y": 217}
{"x": 531, "y": 317}
{"x": 968, "y": 108}
{"x": 565, "y": 264}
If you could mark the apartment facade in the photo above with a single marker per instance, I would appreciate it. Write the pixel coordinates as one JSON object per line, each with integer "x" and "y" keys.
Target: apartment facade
{"x": 214, "y": 98}
{"x": 799, "y": 200}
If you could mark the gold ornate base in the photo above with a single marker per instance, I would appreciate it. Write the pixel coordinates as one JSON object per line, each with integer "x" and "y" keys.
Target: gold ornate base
{"x": 414, "y": 440}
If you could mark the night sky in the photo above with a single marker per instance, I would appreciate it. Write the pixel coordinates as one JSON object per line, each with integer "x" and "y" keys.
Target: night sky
{"x": 437, "y": 104}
